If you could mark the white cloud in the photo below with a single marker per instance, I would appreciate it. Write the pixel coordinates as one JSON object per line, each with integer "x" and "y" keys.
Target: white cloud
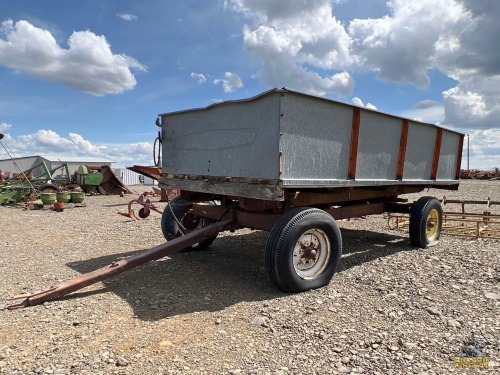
{"x": 426, "y": 111}
{"x": 484, "y": 149}
{"x": 199, "y": 77}
{"x": 360, "y": 103}
{"x": 292, "y": 39}
{"x": 402, "y": 46}
{"x": 303, "y": 46}
{"x": 474, "y": 102}
{"x": 49, "y": 142}
{"x": 457, "y": 37}
{"x": 4, "y": 127}
{"x": 230, "y": 83}
{"x": 87, "y": 65}
{"x": 127, "y": 17}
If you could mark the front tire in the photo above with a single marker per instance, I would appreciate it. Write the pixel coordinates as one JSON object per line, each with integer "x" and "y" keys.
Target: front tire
{"x": 303, "y": 250}
{"x": 180, "y": 211}
{"x": 426, "y": 222}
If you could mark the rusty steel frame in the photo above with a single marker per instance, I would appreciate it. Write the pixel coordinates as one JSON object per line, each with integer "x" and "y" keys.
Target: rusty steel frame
{"x": 146, "y": 209}
{"x": 152, "y": 172}
{"x": 266, "y": 220}
{"x": 312, "y": 197}
{"x": 347, "y": 195}
{"x": 486, "y": 225}
{"x": 483, "y": 225}
{"x": 119, "y": 266}
{"x": 463, "y": 202}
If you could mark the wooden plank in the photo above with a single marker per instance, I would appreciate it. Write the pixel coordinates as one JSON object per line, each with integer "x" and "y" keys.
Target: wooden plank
{"x": 437, "y": 151}
{"x": 353, "y": 156}
{"x": 402, "y": 150}
{"x": 271, "y": 192}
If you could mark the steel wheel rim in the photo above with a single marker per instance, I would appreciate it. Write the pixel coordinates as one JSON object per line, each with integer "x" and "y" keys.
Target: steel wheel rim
{"x": 311, "y": 254}
{"x": 432, "y": 225}
{"x": 191, "y": 222}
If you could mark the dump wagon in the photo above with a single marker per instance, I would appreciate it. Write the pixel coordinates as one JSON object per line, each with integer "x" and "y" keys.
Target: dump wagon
{"x": 292, "y": 164}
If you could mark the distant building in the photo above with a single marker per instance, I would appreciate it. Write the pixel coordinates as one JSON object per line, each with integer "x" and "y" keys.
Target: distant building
{"x": 25, "y": 163}
{"x": 131, "y": 178}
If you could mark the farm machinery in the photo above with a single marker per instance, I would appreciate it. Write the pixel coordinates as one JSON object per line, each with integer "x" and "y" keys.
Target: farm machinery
{"x": 291, "y": 164}
{"x": 23, "y": 187}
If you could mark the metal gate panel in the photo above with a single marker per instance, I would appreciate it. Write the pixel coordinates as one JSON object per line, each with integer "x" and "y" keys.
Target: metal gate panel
{"x": 232, "y": 139}
{"x": 316, "y": 137}
{"x": 419, "y": 151}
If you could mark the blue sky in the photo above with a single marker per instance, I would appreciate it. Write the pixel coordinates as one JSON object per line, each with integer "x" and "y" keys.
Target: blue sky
{"x": 89, "y": 78}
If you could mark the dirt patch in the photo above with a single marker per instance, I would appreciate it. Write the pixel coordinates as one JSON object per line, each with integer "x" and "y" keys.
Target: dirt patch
{"x": 390, "y": 308}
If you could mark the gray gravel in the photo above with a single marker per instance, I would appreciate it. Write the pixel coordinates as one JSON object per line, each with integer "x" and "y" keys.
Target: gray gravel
{"x": 390, "y": 309}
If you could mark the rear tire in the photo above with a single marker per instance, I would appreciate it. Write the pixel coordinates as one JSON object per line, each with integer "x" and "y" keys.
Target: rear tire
{"x": 303, "y": 250}
{"x": 179, "y": 209}
{"x": 426, "y": 221}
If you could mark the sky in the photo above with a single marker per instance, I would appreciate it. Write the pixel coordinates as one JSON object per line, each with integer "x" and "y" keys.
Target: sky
{"x": 89, "y": 78}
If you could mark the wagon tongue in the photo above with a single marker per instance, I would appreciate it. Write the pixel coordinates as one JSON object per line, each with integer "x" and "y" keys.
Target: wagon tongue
{"x": 119, "y": 266}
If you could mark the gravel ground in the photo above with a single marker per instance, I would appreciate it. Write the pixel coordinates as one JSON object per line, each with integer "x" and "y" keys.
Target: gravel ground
{"x": 390, "y": 309}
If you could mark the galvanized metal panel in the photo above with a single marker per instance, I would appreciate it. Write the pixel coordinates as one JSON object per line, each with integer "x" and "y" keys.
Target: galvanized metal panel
{"x": 233, "y": 139}
{"x": 25, "y": 163}
{"x": 419, "y": 151}
{"x": 315, "y": 138}
{"x": 378, "y": 146}
{"x": 448, "y": 156}
{"x": 131, "y": 178}
{"x": 245, "y": 138}
{"x": 319, "y": 183}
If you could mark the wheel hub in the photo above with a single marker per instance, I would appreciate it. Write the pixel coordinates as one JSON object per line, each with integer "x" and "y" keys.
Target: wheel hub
{"x": 190, "y": 221}
{"x": 432, "y": 225}
{"x": 308, "y": 248}
{"x": 311, "y": 253}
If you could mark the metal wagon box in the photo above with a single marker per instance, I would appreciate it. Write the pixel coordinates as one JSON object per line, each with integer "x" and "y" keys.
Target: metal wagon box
{"x": 291, "y": 164}
{"x": 284, "y": 139}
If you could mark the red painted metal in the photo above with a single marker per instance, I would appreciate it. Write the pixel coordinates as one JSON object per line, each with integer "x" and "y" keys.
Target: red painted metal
{"x": 358, "y": 210}
{"x": 119, "y": 266}
{"x": 353, "y": 156}
{"x": 256, "y": 205}
{"x": 148, "y": 171}
{"x": 402, "y": 150}
{"x": 243, "y": 219}
{"x": 437, "y": 151}
{"x": 144, "y": 212}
